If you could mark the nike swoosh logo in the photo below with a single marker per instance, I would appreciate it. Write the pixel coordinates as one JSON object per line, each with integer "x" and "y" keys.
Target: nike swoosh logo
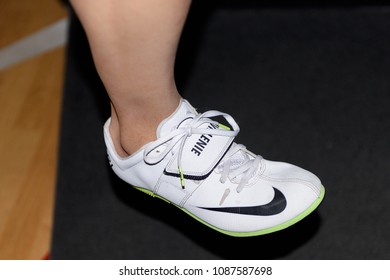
{"x": 274, "y": 207}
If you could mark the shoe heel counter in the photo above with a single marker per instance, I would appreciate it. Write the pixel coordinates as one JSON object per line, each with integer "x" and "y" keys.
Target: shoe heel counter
{"x": 113, "y": 158}
{"x": 131, "y": 169}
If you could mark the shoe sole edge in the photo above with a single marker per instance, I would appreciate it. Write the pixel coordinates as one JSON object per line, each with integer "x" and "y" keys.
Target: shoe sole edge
{"x": 279, "y": 227}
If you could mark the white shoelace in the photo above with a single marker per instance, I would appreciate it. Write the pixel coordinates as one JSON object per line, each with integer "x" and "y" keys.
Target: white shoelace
{"x": 246, "y": 168}
{"x": 192, "y": 127}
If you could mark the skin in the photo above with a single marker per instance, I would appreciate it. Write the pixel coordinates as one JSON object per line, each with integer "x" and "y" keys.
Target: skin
{"x": 134, "y": 46}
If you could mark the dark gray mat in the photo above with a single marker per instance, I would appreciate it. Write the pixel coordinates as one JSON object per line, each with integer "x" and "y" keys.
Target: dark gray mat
{"x": 307, "y": 85}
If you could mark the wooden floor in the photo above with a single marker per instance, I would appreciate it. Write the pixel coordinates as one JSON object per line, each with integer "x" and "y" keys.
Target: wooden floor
{"x": 30, "y": 97}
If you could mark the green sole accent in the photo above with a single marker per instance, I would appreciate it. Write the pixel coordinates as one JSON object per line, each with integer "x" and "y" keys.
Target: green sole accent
{"x": 249, "y": 233}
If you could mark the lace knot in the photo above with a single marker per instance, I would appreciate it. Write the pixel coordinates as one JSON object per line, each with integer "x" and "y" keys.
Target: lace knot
{"x": 181, "y": 134}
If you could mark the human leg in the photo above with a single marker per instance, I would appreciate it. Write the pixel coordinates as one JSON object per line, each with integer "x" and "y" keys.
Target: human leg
{"x": 134, "y": 47}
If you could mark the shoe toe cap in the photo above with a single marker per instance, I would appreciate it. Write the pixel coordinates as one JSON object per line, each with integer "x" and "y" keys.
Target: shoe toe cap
{"x": 291, "y": 177}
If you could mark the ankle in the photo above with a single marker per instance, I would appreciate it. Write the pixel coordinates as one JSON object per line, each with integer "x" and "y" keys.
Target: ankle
{"x": 137, "y": 126}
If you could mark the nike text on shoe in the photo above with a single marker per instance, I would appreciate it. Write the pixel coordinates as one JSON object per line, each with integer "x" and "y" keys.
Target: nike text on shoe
{"x": 196, "y": 165}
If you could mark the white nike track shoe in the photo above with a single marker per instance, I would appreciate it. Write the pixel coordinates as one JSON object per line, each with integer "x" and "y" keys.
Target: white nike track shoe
{"x": 195, "y": 165}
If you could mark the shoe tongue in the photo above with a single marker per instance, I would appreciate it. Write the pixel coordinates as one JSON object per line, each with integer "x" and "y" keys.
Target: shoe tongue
{"x": 238, "y": 159}
{"x": 183, "y": 112}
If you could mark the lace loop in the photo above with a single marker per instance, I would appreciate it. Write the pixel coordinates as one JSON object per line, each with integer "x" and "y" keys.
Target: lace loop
{"x": 181, "y": 134}
{"x": 184, "y": 132}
